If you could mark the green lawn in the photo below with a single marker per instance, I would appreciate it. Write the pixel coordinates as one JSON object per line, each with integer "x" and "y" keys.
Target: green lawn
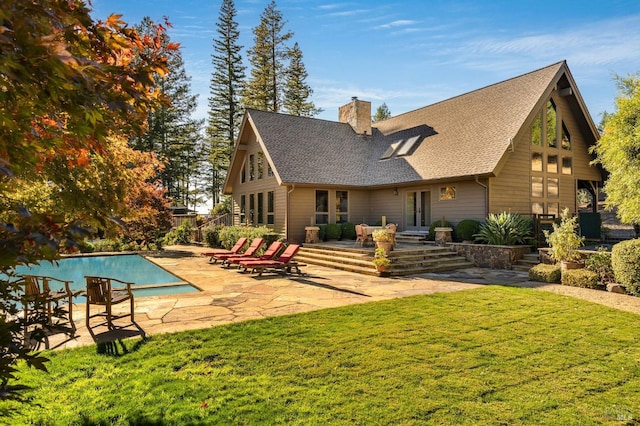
{"x": 493, "y": 355}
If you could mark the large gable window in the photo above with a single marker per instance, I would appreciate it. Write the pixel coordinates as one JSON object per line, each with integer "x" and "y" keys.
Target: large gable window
{"x": 252, "y": 173}
{"x": 260, "y": 164}
{"x": 552, "y": 124}
{"x": 536, "y": 131}
{"x": 566, "y": 138}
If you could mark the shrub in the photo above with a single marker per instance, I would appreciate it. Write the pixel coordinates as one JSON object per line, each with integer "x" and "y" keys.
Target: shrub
{"x": 107, "y": 245}
{"x": 564, "y": 241}
{"x": 334, "y": 231}
{"x": 439, "y": 224}
{"x": 228, "y": 235}
{"x": 545, "y": 273}
{"x": 322, "y": 233}
{"x": 580, "y": 278}
{"x": 625, "y": 261}
{"x": 600, "y": 263}
{"x": 466, "y": 229}
{"x": 179, "y": 235}
{"x": 348, "y": 231}
{"x": 506, "y": 229}
{"x": 211, "y": 236}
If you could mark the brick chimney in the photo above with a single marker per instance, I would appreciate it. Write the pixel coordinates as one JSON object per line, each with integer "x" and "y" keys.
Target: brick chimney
{"x": 357, "y": 114}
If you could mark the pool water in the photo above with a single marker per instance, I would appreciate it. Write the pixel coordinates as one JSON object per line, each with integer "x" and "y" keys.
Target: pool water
{"x": 149, "y": 279}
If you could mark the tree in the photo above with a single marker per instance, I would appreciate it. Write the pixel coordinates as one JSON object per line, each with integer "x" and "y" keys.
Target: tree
{"x": 66, "y": 84}
{"x": 297, "y": 92}
{"x": 225, "y": 111}
{"x": 618, "y": 150}
{"x": 172, "y": 134}
{"x": 382, "y": 113}
{"x": 268, "y": 57}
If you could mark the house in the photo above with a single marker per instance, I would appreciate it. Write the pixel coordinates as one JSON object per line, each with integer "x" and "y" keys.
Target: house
{"x": 521, "y": 145}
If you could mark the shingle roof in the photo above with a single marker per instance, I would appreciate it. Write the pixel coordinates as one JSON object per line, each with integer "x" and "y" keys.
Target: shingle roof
{"x": 463, "y": 136}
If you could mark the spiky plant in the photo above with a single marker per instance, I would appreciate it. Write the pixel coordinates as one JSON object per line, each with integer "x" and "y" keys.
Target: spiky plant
{"x": 506, "y": 229}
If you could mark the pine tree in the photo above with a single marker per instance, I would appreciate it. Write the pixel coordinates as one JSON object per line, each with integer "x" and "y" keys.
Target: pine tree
{"x": 297, "y": 92}
{"x": 172, "y": 134}
{"x": 268, "y": 58}
{"x": 382, "y": 113}
{"x": 225, "y": 111}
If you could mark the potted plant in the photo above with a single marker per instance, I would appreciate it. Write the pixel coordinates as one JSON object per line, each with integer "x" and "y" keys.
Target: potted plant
{"x": 380, "y": 260}
{"x": 564, "y": 242}
{"x": 383, "y": 239}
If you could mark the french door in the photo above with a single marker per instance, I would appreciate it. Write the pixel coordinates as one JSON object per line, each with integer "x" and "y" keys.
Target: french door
{"x": 417, "y": 210}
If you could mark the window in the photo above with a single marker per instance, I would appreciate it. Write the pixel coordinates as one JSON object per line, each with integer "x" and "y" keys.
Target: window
{"x": 567, "y": 166}
{"x": 269, "y": 170}
{"x": 566, "y": 138}
{"x": 537, "y": 187}
{"x": 554, "y": 209}
{"x": 322, "y": 207}
{"x": 260, "y": 164}
{"x": 552, "y": 187}
{"x": 552, "y": 125}
{"x": 552, "y": 164}
{"x": 270, "y": 208}
{"x": 536, "y": 131}
{"x": 243, "y": 205}
{"x": 448, "y": 193}
{"x": 260, "y": 213}
{"x": 537, "y": 208}
{"x": 252, "y": 174}
{"x": 342, "y": 206}
{"x": 252, "y": 208}
{"x": 536, "y": 161}
{"x": 243, "y": 175}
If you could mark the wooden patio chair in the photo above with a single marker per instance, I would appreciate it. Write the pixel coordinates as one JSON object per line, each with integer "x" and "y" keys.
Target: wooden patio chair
{"x": 361, "y": 235}
{"x": 284, "y": 262}
{"x": 269, "y": 254}
{"x": 234, "y": 250}
{"x": 392, "y": 227}
{"x": 250, "y": 251}
{"x": 100, "y": 291}
{"x": 38, "y": 294}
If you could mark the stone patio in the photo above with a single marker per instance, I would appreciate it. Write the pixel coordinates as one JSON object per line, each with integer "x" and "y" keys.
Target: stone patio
{"x": 229, "y": 296}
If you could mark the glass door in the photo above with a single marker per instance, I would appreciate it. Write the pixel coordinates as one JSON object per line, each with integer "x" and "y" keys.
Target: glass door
{"x": 418, "y": 210}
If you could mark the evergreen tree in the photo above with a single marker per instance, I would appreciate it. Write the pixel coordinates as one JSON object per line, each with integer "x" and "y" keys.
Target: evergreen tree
{"x": 382, "y": 113}
{"x": 224, "y": 105}
{"x": 172, "y": 134}
{"x": 265, "y": 88}
{"x": 297, "y": 92}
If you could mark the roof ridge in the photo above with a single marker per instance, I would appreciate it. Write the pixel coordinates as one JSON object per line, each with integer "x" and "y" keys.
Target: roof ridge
{"x": 476, "y": 90}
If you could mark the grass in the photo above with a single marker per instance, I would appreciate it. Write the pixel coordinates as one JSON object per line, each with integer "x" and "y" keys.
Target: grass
{"x": 493, "y": 355}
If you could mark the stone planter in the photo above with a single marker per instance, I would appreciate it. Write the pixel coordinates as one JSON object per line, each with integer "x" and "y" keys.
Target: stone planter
{"x": 566, "y": 265}
{"x": 490, "y": 256}
{"x": 443, "y": 235}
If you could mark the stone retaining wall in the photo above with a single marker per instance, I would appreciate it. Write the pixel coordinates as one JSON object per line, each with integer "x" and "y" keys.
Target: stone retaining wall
{"x": 489, "y": 256}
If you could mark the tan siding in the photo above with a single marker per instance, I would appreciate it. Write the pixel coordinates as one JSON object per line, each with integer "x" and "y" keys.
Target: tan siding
{"x": 510, "y": 190}
{"x": 468, "y": 204}
{"x": 385, "y": 203}
{"x": 302, "y": 211}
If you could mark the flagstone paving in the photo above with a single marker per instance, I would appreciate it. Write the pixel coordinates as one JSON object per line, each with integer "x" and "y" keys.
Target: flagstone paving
{"x": 229, "y": 295}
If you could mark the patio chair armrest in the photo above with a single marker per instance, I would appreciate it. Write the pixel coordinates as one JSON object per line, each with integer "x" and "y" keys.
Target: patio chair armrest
{"x": 127, "y": 285}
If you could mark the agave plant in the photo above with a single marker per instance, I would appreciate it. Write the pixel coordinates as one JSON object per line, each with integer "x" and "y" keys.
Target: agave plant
{"x": 505, "y": 228}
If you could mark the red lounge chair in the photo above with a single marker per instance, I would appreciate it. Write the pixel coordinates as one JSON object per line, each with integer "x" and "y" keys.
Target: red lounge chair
{"x": 253, "y": 248}
{"x": 284, "y": 262}
{"x": 269, "y": 254}
{"x": 234, "y": 250}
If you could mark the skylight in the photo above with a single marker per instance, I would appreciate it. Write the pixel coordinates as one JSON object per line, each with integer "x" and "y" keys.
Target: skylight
{"x": 389, "y": 152}
{"x": 406, "y": 147}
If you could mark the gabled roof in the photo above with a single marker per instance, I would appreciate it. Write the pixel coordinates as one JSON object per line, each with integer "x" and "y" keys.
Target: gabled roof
{"x": 464, "y": 136}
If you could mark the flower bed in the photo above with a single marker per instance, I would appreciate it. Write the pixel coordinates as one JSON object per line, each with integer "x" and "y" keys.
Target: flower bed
{"x": 491, "y": 256}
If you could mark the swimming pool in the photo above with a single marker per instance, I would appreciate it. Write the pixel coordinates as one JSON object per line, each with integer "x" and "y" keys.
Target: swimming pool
{"x": 149, "y": 278}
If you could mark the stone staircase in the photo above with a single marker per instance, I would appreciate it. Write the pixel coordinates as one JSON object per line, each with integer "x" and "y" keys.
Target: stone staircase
{"x": 527, "y": 262}
{"x": 406, "y": 259}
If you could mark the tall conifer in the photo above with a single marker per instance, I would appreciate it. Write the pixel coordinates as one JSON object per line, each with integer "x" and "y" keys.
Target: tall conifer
{"x": 268, "y": 58}
{"x": 225, "y": 110}
{"x": 297, "y": 92}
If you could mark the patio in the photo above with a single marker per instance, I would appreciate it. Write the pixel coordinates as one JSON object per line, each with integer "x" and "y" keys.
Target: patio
{"x": 230, "y": 296}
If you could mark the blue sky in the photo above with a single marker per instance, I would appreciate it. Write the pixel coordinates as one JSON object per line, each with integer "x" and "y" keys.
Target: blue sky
{"x": 410, "y": 54}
